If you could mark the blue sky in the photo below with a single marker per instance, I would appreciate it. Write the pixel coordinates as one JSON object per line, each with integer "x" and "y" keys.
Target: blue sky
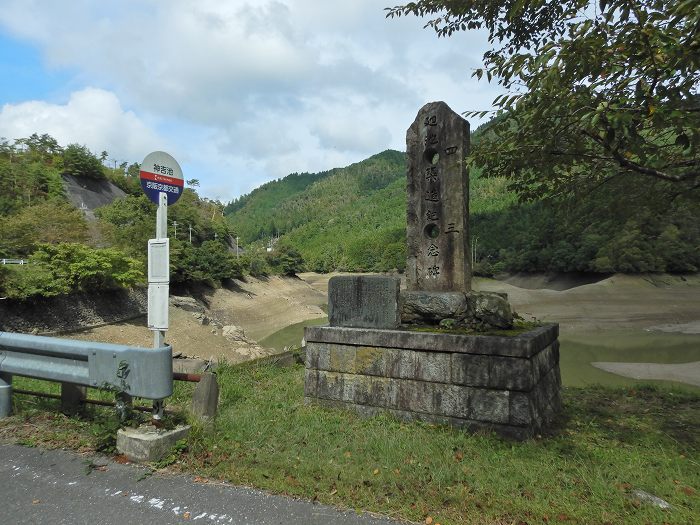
{"x": 240, "y": 92}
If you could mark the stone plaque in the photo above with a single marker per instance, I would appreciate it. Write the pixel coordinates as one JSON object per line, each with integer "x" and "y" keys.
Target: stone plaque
{"x": 438, "y": 201}
{"x": 364, "y": 301}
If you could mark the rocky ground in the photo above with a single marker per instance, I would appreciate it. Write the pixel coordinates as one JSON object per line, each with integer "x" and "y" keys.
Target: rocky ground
{"x": 223, "y": 323}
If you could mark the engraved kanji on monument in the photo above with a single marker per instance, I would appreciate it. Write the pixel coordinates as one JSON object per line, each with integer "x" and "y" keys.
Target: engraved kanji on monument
{"x": 437, "y": 144}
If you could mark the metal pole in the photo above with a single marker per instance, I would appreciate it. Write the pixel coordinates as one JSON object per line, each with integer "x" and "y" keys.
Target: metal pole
{"x": 159, "y": 335}
{"x": 5, "y": 395}
{"x": 237, "y": 254}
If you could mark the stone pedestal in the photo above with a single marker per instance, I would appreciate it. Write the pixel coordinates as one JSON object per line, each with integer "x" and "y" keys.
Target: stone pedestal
{"x": 507, "y": 384}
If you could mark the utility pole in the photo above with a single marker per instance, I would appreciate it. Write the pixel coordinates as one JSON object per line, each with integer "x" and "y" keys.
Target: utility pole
{"x": 175, "y": 226}
{"x": 237, "y": 254}
{"x": 190, "y": 233}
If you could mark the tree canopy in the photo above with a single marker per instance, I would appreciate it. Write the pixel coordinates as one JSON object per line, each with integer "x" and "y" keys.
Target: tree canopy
{"x": 594, "y": 90}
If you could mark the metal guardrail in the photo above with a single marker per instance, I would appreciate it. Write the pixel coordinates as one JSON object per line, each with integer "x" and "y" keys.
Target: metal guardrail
{"x": 138, "y": 372}
{"x": 14, "y": 261}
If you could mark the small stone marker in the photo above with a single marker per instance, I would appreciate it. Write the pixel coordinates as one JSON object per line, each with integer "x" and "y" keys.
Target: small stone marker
{"x": 364, "y": 301}
{"x": 205, "y": 399}
{"x": 438, "y": 201}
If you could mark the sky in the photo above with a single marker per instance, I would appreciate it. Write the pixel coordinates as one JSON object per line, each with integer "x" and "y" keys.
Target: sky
{"x": 240, "y": 92}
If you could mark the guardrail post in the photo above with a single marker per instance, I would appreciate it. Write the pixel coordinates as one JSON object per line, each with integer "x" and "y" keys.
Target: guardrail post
{"x": 5, "y": 395}
{"x": 72, "y": 397}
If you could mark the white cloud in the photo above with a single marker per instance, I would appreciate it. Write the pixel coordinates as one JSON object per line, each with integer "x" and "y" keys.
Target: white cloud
{"x": 92, "y": 117}
{"x": 252, "y": 90}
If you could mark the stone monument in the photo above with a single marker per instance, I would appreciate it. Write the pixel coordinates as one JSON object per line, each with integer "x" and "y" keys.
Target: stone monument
{"x": 438, "y": 201}
{"x": 438, "y": 265}
{"x": 371, "y": 359}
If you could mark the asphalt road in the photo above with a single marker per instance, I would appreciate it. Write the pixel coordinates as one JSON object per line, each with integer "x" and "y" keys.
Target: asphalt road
{"x": 57, "y": 487}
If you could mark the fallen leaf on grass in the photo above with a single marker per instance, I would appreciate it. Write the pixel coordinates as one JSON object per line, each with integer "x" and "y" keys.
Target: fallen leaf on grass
{"x": 563, "y": 517}
{"x": 459, "y": 455}
{"x": 376, "y": 471}
{"x": 348, "y": 454}
{"x": 334, "y": 492}
{"x": 428, "y": 520}
{"x": 688, "y": 491}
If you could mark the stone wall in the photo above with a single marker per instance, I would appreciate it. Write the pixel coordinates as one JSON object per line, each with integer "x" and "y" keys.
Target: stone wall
{"x": 507, "y": 384}
{"x": 66, "y": 313}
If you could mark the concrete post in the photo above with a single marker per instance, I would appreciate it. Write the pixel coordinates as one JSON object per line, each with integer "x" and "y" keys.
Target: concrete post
{"x": 205, "y": 399}
{"x": 72, "y": 397}
{"x": 5, "y": 395}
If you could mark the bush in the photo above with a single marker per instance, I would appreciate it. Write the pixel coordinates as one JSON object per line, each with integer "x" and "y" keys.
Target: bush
{"x": 70, "y": 267}
{"x": 285, "y": 260}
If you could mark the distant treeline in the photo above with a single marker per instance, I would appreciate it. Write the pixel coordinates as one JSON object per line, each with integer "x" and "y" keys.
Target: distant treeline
{"x": 354, "y": 219}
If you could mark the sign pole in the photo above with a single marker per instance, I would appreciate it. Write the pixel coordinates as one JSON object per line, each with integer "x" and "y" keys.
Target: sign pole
{"x": 162, "y": 181}
{"x": 159, "y": 335}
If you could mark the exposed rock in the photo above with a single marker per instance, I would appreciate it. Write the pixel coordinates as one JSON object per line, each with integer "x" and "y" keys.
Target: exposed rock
{"x": 52, "y": 315}
{"x": 479, "y": 310}
{"x": 235, "y": 334}
{"x": 490, "y": 309}
{"x": 651, "y": 499}
{"x": 203, "y": 319}
{"x": 188, "y": 304}
{"x": 432, "y": 307}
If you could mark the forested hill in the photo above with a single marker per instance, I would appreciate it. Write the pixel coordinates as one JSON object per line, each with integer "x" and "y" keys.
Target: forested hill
{"x": 354, "y": 219}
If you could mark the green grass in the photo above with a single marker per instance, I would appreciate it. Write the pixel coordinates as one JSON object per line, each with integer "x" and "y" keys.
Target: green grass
{"x": 609, "y": 443}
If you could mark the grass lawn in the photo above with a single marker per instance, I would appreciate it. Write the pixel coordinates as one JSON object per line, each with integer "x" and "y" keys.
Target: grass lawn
{"x": 609, "y": 443}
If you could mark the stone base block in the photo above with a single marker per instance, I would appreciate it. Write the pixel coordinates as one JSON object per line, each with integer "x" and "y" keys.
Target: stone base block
{"x": 148, "y": 443}
{"x": 507, "y": 384}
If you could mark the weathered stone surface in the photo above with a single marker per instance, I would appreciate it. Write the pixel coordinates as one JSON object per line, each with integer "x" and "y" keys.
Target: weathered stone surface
{"x": 515, "y": 396}
{"x": 370, "y": 360}
{"x": 148, "y": 443}
{"x": 523, "y": 345}
{"x": 424, "y": 366}
{"x": 437, "y": 144}
{"x": 205, "y": 399}
{"x": 234, "y": 334}
{"x": 509, "y": 431}
{"x": 310, "y": 382}
{"x": 364, "y": 301}
{"x": 188, "y": 304}
{"x": 490, "y": 309}
{"x": 422, "y": 307}
{"x": 490, "y": 405}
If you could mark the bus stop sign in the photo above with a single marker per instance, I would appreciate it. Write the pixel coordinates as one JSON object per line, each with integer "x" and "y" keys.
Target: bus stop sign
{"x": 160, "y": 173}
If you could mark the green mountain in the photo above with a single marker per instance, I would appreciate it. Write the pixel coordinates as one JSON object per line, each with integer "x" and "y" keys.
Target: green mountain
{"x": 354, "y": 219}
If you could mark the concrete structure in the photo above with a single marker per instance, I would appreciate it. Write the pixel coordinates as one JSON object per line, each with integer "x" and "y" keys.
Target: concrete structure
{"x": 148, "y": 443}
{"x": 507, "y": 384}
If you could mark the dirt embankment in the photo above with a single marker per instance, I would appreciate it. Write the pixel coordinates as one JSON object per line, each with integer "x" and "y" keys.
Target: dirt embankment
{"x": 223, "y": 323}
{"x": 616, "y": 302}
{"x": 210, "y": 326}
